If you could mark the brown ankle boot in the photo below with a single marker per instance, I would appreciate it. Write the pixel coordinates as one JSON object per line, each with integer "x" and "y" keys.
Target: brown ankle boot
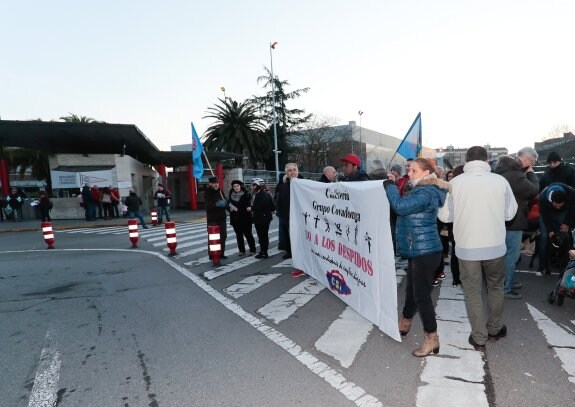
{"x": 404, "y": 325}
{"x": 430, "y": 344}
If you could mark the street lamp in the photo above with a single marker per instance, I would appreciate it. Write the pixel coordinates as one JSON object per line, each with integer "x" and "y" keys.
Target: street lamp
{"x": 360, "y": 113}
{"x": 224, "y": 90}
{"x": 276, "y": 152}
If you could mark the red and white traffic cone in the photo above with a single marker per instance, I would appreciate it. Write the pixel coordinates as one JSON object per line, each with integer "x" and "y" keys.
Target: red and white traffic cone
{"x": 214, "y": 246}
{"x": 171, "y": 237}
{"x": 133, "y": 231}
{"x": 154, "y": 214}
{"x": 48, "y": 234}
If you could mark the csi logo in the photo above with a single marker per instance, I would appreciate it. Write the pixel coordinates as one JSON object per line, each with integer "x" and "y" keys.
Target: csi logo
{"x": 337, "y": 282}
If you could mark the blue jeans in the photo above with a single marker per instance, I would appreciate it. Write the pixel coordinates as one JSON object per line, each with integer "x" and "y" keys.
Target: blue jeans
{"x": 513, "y": 243}
{"x": 138, "y": 214}
{"x": 161, "y": 211}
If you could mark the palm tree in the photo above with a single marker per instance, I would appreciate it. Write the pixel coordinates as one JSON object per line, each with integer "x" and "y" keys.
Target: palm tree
{"x": 237, "y": 129}
{"x": 73, "y": 118}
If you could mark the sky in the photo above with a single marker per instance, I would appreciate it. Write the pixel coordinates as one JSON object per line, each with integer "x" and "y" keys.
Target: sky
{"x": 498, "y": 72}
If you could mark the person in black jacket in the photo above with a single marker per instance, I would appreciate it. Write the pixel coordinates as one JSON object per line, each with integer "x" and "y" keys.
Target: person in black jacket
{"x": 162, "y": 196}
{"x": 525, "y": 186}
{"x": 352, "y": 169}
{"x": 16, "y": 200}
{"x": 557, "y": 171}
{"x": 87, "y": 201}
{"x": 133, "y": 203}
{"x": 283, "y": 204}
{"x": 329, "y": 174}
{"x": 557, "y": 215}
{"x": 44, "y": 206}
{"x": 240, "y": 207}
{"x": 262, "y": 206}
{"x": 216, "y": 211}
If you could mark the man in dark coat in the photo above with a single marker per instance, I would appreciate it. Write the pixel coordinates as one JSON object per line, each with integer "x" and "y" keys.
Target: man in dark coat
{"x": 329, "y": 174}
{"x": 16, "y": 200}
{"x": 557, "y": 171}
{"x": 133, "y": 203}
{"x": 216, "y": 211}
{"x": 352, "y": 169}
{"x": 525, "y": 186}
{"x": 557, "y": 215}
{"x": 89, "y": 207}
{"x": 162, "y": 196}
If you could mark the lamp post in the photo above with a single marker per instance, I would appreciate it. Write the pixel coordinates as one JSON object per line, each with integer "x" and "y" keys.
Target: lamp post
{"x": 360, "y": 113}
{"x": 224, "y": 90}
{"x": 276, "y": 152}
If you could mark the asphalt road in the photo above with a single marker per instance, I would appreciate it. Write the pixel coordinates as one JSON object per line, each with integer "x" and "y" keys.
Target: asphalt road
{"x": 93, "y": 326}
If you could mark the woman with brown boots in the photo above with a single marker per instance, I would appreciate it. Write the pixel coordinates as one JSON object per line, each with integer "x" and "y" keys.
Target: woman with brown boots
{"x": 418, "y": 240}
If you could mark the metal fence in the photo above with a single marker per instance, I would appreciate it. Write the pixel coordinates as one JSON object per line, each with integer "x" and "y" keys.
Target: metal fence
{"x": 270, "y": 176}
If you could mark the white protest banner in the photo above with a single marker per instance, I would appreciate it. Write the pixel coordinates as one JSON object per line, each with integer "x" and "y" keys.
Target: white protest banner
{"x": 340, "y": 235}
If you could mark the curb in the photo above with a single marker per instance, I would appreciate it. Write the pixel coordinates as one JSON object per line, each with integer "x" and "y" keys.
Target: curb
{"x": 84, "y": 226}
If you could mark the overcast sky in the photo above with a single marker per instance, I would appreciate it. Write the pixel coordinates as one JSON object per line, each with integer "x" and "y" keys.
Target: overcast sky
{"x": 491, "y": 71}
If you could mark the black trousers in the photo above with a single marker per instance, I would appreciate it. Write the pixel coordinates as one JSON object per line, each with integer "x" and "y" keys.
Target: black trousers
{"x": 287, "y": 241}
{"x": 420, "y": 276}
{"x": 223, "y": 233}
{"x": 244, "y": 229}
{"x": 262, "y": 229}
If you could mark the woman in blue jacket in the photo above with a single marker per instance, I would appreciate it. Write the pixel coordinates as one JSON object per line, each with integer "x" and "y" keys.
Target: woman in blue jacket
{"x": 418, "y": 240}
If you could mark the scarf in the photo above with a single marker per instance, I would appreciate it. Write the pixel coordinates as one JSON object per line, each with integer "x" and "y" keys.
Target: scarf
{"x": 236, "y": 196}
{"x": 415, "y": 181}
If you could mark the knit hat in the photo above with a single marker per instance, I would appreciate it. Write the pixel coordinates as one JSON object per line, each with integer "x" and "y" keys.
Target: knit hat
{"x": 396, "y": 168}
{"x": 553, "y": 156}
{"x": 212, "y": 180}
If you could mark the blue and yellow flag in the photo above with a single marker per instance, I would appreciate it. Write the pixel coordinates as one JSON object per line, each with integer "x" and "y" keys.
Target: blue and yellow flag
{"x": 410, "y": 146}
{"x": 197, "y": 150}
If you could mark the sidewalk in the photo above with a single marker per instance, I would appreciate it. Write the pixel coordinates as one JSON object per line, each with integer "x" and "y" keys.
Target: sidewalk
{"x": 27, "y": 225}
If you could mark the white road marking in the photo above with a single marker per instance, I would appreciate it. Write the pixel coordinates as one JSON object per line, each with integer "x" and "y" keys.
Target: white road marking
{"x": 228, "y": 252}
{"x": 45, "y": 389}
{"x": 203, "y": 233}
{"x": 456, "y": 378}
{"x": 285, "y": 263}
{"x": 561, "y": 341}
{"x": 249, "y": 284}
{"x": 286, "y": 304}
{"x": 238, "y": 264}
{"x": 206, "y": 259}
{"x": 198, "y": 242}
{"x": 573, "y": 321}
{"x": 179, "y": 232}
{"x": 344, "y": 337}
{"x": 331, "y": 376}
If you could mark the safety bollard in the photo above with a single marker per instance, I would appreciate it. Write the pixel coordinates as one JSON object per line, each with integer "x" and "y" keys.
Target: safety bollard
{"x": 154, "y": 214}
{"x": 48, "y": 234}
{"x": 214, "y": 246}
{"x": 171, "y": 238}
{"x": 133, "y": 230}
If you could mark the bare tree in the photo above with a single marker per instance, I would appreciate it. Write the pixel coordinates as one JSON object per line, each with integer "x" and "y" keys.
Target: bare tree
{"x": 556, "y": 132}
{"x": 318, "y": 143}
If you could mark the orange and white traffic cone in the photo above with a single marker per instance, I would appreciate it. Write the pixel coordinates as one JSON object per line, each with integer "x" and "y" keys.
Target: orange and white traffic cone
{"x": 133, "y": 231}
{"x": 171, "y": 238}
{"x": 48, "y": 234}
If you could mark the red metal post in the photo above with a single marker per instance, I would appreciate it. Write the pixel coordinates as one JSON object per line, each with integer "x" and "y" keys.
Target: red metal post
{"x": 192, "y": 186}
{"x": 48, "y": 234}
{"x": 133, "y": 231}
{"x": 171, "y": 238}
{"x": 4, "y": 177}
{"x": 214, "y": 246}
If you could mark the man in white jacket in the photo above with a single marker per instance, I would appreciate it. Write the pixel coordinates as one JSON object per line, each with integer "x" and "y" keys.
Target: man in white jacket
{"x": 478, "y": 205}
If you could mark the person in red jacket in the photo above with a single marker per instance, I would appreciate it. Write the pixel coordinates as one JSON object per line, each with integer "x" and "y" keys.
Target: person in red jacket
{"x": 97, "y": 199}
{"x": 115, "y": 194}
{"x": 403, "y": 181}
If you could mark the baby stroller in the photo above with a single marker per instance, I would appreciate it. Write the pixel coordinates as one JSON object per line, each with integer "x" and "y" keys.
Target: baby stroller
{"x": 565, "y": 286}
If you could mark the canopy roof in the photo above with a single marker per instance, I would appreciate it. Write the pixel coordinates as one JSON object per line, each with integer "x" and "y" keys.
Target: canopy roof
{"x": 93, "y": 138}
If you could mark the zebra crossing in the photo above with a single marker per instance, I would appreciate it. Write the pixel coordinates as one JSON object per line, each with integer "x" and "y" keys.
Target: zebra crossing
{"x": 346, "y": 336}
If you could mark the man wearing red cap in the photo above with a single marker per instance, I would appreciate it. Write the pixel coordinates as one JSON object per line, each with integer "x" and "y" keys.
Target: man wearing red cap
{"x": 351, "y": 169}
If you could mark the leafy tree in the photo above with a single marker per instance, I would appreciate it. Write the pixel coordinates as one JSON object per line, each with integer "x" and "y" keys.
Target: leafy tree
{"x": 288, "y": 120}
{"x": 73, "y": 118}
{"x": 237, "y": 129}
